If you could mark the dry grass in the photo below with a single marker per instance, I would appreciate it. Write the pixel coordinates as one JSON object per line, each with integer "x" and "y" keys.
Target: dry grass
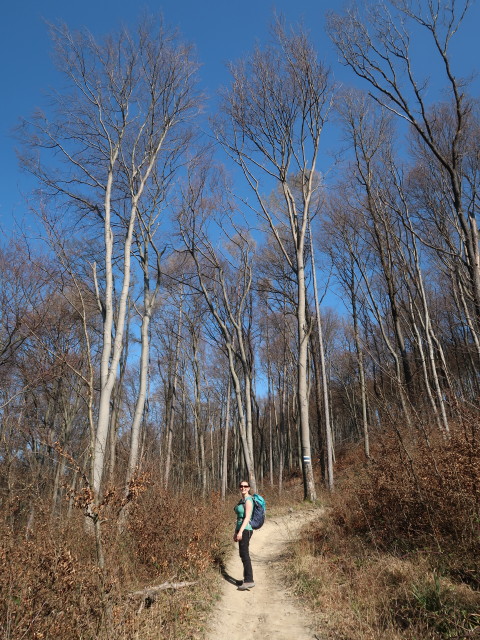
{"x": 52, "y": 588}
{"x": 397, "y": 557}
{"x": 358, "y": 593}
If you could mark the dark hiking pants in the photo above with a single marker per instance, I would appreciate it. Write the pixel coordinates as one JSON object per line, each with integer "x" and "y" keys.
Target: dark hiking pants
{"x": 243, "y": 548}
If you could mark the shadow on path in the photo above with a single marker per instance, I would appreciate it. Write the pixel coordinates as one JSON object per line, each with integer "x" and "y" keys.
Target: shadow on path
{"x": 226, "y": 576}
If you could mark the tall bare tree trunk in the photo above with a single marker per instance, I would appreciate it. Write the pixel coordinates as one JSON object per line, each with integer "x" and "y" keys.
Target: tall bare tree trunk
{"x": 326, "y": 403}
{"x": 172, "y": 395}
{"x": 274, "y": 115}
{"x": 226, "y": 429}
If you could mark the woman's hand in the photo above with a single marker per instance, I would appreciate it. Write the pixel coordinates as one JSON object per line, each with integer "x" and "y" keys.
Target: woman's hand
{"x": 239, "y": 536}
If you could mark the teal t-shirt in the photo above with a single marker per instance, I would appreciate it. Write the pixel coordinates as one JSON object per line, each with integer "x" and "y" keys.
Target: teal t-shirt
{"x": 240, "y": 511}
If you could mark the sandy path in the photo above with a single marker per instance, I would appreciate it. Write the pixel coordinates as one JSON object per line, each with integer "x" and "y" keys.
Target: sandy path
{"x": 268, "y": 611}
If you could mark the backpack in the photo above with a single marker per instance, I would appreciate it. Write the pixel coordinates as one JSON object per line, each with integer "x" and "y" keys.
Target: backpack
{"x": 259, "y": 511}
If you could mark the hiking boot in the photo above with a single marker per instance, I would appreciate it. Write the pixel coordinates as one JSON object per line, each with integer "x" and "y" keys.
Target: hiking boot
{"x": 246, "y": 585}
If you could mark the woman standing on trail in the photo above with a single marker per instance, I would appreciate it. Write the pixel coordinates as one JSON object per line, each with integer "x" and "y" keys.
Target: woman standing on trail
{"x": 243, "y": 533}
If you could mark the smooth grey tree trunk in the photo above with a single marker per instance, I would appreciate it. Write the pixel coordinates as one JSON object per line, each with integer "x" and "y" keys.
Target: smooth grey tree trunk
{"x": 172, "y": 400}
{"x": 326, "y": 402}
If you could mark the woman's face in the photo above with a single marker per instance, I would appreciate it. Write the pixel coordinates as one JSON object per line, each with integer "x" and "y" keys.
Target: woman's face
{"x": 244, "y": 487}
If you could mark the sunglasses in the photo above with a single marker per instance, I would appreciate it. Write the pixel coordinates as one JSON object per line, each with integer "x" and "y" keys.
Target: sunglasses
{"x": 244, "y": 486}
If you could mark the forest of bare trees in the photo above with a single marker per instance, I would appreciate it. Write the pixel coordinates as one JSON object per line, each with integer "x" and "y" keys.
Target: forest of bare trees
{"x": 169, "y": 318}
{"x": 247, "y": 303}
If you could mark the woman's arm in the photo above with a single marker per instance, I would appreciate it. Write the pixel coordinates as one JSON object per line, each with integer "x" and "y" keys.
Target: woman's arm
{"x": 247, "y": 517}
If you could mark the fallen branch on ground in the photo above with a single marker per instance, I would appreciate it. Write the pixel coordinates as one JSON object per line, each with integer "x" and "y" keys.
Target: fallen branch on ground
{"x": 149, "y": 595}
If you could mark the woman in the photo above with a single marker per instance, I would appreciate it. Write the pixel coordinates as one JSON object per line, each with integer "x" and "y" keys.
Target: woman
{"x": 243, "y": 533}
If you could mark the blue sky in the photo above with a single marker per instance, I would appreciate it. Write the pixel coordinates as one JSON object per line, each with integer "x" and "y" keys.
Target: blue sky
{"x": 222, "y": 31}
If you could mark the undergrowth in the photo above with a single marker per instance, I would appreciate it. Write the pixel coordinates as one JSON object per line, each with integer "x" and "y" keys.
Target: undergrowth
{"x": 397, "y": 555}
{"x": 52, "y": 587}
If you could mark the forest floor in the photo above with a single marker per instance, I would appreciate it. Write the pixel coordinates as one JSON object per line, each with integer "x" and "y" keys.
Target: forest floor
{"x": 267, "y": 611}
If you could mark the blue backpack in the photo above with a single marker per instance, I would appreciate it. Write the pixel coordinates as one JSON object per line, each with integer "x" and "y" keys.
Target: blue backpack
{"x": 259, "y": 511}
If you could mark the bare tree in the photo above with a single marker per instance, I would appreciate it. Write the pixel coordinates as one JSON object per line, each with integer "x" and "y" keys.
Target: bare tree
{"x": 274, "y": 114}
{"x": 323, "y": 369}
{"x": 377, "y": 47}
{"x": 116, "y": 133}
{"x": 224, "y": 278}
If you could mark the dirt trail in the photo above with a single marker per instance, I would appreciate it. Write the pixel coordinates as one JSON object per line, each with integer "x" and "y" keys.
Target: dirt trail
{"x": 268, "y": 611}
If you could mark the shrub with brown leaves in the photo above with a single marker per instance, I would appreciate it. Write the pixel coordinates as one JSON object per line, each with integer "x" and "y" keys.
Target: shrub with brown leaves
{"x": 397, "y": 556}
{"x": 419, "y": 491}
{"x": 52, "y": 587}
{"x": 174, "y": 536}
